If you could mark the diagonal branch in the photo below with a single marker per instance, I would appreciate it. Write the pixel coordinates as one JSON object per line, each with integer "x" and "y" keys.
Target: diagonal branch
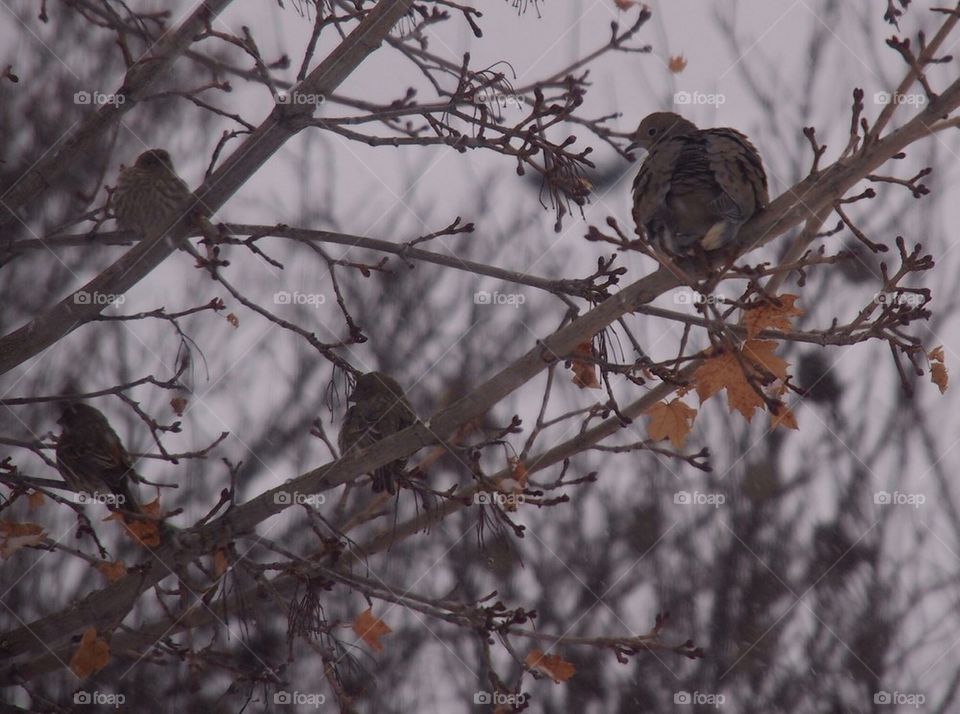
{"x": 282, "y": 123}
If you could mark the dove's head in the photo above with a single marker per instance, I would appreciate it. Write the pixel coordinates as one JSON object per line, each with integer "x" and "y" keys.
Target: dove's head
{"x": 659, "y": 126}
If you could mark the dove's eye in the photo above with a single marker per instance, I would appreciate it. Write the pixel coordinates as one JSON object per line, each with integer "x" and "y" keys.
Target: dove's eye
{"x": 651, "y": 132}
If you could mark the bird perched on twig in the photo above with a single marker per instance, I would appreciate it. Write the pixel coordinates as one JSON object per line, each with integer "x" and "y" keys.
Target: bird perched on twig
{"x": 696, "y": 187}
{"x": 150, "y": 194}
{"x": 379, "y": 409}
{"x": 91, "y": 457}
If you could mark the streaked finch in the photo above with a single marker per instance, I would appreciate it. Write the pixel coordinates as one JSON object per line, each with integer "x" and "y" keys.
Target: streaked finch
{"x": 91, "y": 457}
{"x": 149, "y": 194}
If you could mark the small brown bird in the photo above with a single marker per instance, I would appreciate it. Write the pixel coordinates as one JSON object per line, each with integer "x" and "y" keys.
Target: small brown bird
{"x": 696, "y": 187}
{"x": 150, "y": 194}
{"x": 91, "y": 457}
{"x": 379, "y": 409}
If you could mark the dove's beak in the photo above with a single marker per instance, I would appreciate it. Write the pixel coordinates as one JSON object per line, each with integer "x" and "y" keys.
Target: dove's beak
{"x": 634, "y": 145}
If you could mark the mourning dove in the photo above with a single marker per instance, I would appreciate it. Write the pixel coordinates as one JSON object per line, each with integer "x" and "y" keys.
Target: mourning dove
{"x": 379, "y": 410}
{"x": 696, "y": 187}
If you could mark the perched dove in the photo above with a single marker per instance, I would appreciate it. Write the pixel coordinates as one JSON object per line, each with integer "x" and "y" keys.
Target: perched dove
{"x": 696, "y": 187}
{"x": 379, "y": 409}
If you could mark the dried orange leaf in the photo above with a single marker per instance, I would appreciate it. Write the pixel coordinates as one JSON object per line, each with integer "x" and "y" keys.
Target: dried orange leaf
{"x": 767, "y": 315}
{"x": 724, "y": 371}
{"x": 14, "y": 536}
{"x": 35, "y": 499}
{"x": 938, "y": 375}
{"x": 936, "y": 354}
{"x": 584, "y": 372}
{"x": 220, "y": 561}
{"x": 557, "y": 669}
{"x": 91, "y": 656}
{"x": 677, "y": 64}
{"x": 370, "y": 629}
{"x": 145, "y": 531}
{"x": 785, "y": 418}
{"x": 112, "y": 571}
{"x": 233, "y": 320}
{"x": 624, "y": 4}
{"x": 715, "y": 374}
{"x": 519, "y": 472}
{"x": 671, "y": 420}
{"x": 760, "y": 354}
